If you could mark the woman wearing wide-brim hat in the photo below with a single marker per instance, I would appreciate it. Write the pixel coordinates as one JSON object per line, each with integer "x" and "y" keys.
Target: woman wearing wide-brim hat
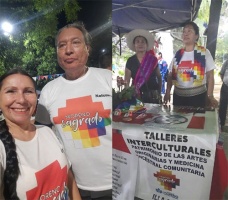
{"x": 142, "y": 67}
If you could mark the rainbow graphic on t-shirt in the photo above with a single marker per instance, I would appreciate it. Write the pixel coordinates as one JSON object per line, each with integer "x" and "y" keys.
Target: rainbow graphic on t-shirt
{"x": 188, "y": 71}
{"x": 84, "y": 119}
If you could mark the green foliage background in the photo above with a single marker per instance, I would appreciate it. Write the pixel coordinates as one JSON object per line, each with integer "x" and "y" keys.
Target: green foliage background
{"x": 31, "y": 45}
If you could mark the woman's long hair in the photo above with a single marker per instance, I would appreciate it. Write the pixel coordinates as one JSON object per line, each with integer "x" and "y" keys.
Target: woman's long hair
{"x": 12, "y": 171}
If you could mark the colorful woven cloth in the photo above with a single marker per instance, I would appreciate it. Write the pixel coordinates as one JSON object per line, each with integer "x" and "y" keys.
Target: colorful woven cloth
{"x": 194, "y": 71}
{"x": 146, "y": 68}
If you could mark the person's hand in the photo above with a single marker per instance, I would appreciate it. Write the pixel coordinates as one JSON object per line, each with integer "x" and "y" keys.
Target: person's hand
{"x": 212, "y": 102}
{"x": 166, "y": 98}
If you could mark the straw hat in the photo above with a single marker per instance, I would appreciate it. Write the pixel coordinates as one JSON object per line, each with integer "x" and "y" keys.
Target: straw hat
{"x": 140, "y": 32}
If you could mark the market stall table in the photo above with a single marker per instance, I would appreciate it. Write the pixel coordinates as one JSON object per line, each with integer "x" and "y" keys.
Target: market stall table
{"x": 167, "y": 153}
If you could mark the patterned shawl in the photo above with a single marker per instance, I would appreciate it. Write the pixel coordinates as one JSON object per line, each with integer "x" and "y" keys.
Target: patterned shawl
{"x": 146, "y": 68}
{"x": 199, "y": 65}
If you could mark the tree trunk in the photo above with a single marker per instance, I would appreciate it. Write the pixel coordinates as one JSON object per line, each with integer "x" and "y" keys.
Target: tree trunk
{"x": 212, "y": 31}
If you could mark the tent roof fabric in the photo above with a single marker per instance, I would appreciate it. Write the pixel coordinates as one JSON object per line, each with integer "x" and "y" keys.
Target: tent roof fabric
{"x": 154, "y": 15}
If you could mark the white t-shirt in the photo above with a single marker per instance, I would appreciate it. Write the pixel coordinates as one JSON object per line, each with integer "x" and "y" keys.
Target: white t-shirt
{"x": 81, "y": 112}
{"x": 43, "y": 166}
{"x": 185, "y": 80}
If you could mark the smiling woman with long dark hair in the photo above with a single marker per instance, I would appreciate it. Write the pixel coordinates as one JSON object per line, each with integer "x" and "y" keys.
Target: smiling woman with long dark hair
{"x": 30, "y": 156}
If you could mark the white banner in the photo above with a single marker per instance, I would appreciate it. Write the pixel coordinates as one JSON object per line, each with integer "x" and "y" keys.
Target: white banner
{"x": 169, "y": 164}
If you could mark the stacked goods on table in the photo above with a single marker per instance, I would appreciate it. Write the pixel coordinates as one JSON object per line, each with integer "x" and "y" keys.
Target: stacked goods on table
{"x": 127, "y": 108}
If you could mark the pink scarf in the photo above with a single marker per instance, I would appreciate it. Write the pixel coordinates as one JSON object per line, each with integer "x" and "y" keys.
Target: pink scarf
{"x": 146, "y": 68}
